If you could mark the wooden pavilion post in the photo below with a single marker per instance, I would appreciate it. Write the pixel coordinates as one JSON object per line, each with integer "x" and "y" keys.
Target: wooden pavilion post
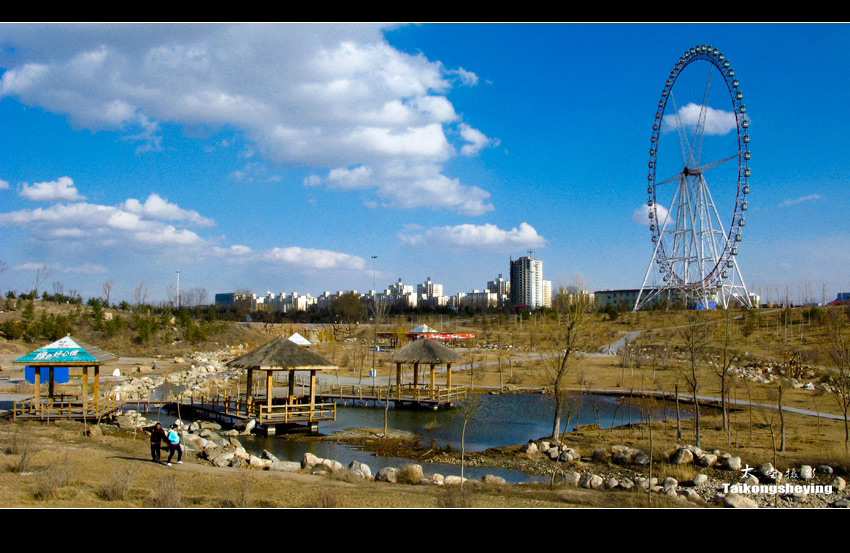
{"x": 291, "y": 386}
{"x": 50, "y": 388}
{"x": 269, "y": 389}
{"x": 416, "y": 380}
{"x": 312, "y": 393}
{"x": 85, "y": 377}
{"x": 96, "y": 388}
{"x": 37, "y": 383}
{"x": 432, "y": 384}
{"x": 249, "y": 392}
{"x": 398, "y": 380}
{"x": 449, "y": 376}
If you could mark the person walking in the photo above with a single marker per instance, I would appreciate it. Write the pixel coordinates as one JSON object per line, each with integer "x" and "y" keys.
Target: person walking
{"x": 157, "y": 436}
{"x": 174, "y": 445}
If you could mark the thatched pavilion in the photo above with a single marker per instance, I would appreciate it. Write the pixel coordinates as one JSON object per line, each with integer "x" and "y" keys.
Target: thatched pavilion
{"x": 63, "y": 354}
{"x": 282, "y": 354}
{"x": 431, "y": 353}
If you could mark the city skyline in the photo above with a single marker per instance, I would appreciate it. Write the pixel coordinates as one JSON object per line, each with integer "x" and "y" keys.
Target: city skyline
{"x": 327, "y": 157}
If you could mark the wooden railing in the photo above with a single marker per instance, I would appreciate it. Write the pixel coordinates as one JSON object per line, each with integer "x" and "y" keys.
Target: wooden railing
{"x": 63, "y": 407}
{"x": 441, "y": 394}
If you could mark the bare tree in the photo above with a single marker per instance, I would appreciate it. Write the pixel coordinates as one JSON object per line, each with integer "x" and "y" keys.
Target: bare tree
{"x": 107, "y": 290}
{"x": 838, "y": 347}
{"x": 572, "y": 311}
{"x": 723, "y": 368}
{"x": 695, "y": 338}
{"x": 140, "y": 295}
{"x": 41, "y": 275}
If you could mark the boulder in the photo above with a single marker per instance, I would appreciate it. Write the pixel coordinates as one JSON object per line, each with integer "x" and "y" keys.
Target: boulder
{"x": 266, "y": 454}
{"x": 769, "y": 473}
{"x": 572, "y": 478}
{"x": 333, "y": 466}
{"x": 412, "y": 472}
{"x": 529, "y": 449}
{"x": 387, "y": 474}
{"x": 707, "y": 460}
{"x": 360, "y": 469}
{"x": 310, "y": 460}
{"x": 284, "y": 466}
{"x": 670, "y": 483}
{"x": 591, "y": 481}
{"x": 437, "y": 480}
{"x": 493, "y": 480}
{"x": 256, "y": 462}
{"x": 825, "y": 469}
{"x": 842, "y": 503}
{"x": 732, "y": 463}
{"x": 626, "y": 484}
{"x": 838, "y": 484}
{"x": 209, "y": 425}
{"x": 642, "y": 459}
{"x": 682, "y": 456}
{"x": 543, "y": 447}
{"x": 453, "y": 480}
{"x": 806, "y": 472}
{"x": 611, "y": 483}
{"x": 737, "y": 501}
{"x": 700, "y": 479}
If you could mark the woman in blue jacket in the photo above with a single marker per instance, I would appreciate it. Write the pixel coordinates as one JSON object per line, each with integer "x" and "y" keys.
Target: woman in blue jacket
{"x": 173, "y": 439}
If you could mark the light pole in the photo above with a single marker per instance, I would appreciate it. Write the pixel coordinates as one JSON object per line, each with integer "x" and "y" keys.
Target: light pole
{"x": 178, "y": 290}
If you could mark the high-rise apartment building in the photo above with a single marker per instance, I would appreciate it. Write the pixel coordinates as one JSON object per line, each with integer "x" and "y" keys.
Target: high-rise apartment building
{"x": 527, "y": 282}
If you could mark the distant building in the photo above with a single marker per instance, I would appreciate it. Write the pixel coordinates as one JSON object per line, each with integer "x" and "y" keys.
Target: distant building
{"x": 527, "y": 286}
{"x": 843, "y": 298}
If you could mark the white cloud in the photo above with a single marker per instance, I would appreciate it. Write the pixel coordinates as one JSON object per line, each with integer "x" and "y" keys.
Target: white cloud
{"x": 414, "y": 185}
{"x": 476, "y": 139}
{"x": 62, "y": 189}
{"x": 157, "y": 207}
{"x": 313, "y": 258}
{"x": 480, "y": 237}
{"x": 802, "y": 199}
{"x": 641, "y": 214}
{"x": 717, "y": 122}
{"x": 318, "y": 95}
{"x": 4, "y": 185}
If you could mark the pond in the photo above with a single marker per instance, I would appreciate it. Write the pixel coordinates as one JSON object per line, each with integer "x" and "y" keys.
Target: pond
{"x": 496, "y": 420}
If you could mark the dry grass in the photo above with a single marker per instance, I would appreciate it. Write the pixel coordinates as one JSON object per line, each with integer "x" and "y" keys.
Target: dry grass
{"x": 325, "y": 498}
{"x": 454, "y": 497}
{"x": 167, "y": 494}
{"x": 50, "y": 480}
{"x": 118, "y": 484}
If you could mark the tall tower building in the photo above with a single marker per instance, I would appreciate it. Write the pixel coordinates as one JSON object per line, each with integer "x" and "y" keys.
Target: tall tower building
{"x": 527, "y": 282}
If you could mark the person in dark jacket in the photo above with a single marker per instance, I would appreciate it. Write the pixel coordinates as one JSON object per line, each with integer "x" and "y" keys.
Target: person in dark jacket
{"x": 157, "y": 436}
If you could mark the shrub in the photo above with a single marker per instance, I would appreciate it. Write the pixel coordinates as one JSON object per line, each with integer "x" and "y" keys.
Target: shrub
{"x": 117, "y": 485}
{"x": 454, "y": 497}
{"x": 49, "y": 481}
{"x": 325, "y": 498}
{"x": 167, "y": 494}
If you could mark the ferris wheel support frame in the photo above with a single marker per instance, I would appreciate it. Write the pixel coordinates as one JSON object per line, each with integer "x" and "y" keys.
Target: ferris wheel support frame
{"x": 696, "y": 214}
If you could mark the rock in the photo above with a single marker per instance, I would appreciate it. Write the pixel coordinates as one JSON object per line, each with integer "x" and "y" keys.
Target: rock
{"x": 453, "y": 480}
{"x": 572, "y": 478}
{"x": 285, "y": 466}
{"x": 230, "y": 433}
{"x": 825, "y": 469}
{"x": 689, "y": 494}
{"x": 223, "y": 459}
{"x": 700, "y": 479}
{"x": 256, "y": 462}
{"x": 806, "y": 472}
{"x": 266, "y": 454}
{"x": 838, "y": 484}
{"x": 94, "y": 431}
{"x": 387, "y": 474}
{"x": 529, "y": 449}
{"x": 438, "y": 480}
{"x": 543, "y": 447}
{"x": 750, "y": 480}
{"x": 620, "y": 458}
{"x": 670, "y": 483}
{"x": 707, "y": 460}
{"x": 842, "y": 503}
{"x": 361, "y": 469}
{"x": 554, "y": 453}
{"x": 611, "y": 483}
{"x": 209, "y": 425}
{"x": 736, "y": 501}
{"x": 627, "y": 484}
{"x": 733, "y": 463}
{"x": 569, "y": 454}
{"x": 333, "y": 466}
{"x": 682, "y": 456}
{"x": 494, "y": 480}
{"x": 769, "y": 473}
{"x": 591, "y": 481}
{"x": 601, "y": 455}
{"x": 642, "y": 459}
{"x": 310, "y": 460}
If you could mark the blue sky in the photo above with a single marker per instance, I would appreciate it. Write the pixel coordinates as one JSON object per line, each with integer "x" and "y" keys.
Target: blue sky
{"x": 283, "y": 157}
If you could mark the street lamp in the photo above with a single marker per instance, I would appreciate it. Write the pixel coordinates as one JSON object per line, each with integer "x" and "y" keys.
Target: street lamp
{"x": 178, "y": 290}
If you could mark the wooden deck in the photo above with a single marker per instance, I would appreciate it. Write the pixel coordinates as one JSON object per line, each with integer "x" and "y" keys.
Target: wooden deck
{"x": 64, "y": 407}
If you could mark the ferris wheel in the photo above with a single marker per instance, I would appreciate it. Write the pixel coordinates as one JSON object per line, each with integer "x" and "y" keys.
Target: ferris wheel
{"x": 699, "y": 135}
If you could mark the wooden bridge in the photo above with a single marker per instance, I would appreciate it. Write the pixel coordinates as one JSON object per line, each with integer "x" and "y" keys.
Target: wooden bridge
{"x": 443, "y": 396}
{"x": 62, "y": 406}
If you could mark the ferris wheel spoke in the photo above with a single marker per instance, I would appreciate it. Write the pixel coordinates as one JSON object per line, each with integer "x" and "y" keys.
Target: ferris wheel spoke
{"x": 707, "y": 166}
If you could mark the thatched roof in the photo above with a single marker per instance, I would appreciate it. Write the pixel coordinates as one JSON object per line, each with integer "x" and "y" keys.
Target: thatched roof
{"x": 281, "y": 354}
{"x": 67, "y": 351}
{"x": 426, "y": 351}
